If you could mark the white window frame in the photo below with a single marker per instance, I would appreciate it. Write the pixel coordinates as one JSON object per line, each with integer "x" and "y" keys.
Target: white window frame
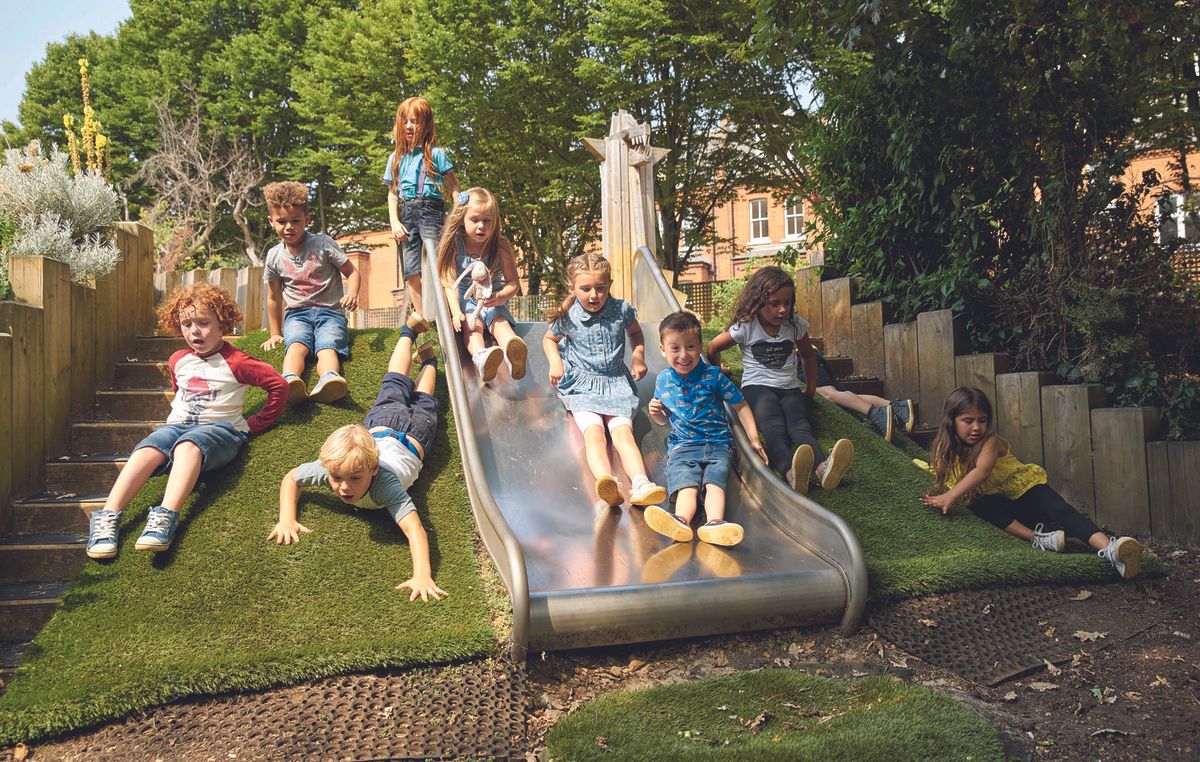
{"x": 793, "y": 217}
{"x": 763, "y": 220}
{"x": 1178, "y": 216}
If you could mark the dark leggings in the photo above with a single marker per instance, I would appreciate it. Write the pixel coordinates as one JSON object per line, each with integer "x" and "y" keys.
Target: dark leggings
{"x": 1039, "y": 505}
{"x": 782, "y": 417}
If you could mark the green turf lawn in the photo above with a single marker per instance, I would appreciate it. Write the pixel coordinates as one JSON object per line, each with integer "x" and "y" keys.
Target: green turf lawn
{"x": 225, "y": 610}
{"x": 913, "y": 550}
{"x": 873, "y": 718}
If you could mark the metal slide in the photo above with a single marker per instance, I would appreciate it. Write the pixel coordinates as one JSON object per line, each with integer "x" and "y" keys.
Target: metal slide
{"x": 581, "y": 574}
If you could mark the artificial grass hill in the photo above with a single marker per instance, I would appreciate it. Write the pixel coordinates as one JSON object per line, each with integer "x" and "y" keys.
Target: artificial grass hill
{"x": 225, "y": 610}
{"x": 913, "y": 550}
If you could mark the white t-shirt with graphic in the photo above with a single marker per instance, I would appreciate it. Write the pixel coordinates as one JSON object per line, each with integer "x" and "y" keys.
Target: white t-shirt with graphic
{"x": 769, "y": 360}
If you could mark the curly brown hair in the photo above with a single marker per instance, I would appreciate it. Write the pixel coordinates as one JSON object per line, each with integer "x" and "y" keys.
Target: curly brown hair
{"x": 199, "y": 296}
{"x": 286, "y": 194}
{"x": 758, "y": 289}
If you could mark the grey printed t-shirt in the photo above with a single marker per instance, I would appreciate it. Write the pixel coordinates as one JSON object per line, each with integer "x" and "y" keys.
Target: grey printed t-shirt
{"x": 769, "y": 360}
{"x": 385, "y": 491}
{"x": 311, "y": 277}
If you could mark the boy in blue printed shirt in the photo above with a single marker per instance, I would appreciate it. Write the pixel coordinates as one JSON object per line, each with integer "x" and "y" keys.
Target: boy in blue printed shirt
{"x": 688, "y": 395}
{"x": 304, "y": 274}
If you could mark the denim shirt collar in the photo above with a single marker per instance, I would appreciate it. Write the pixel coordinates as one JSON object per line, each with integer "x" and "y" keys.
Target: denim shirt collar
{"x": 581, "y": 315}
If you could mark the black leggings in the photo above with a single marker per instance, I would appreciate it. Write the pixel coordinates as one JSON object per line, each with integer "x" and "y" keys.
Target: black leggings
{"x": 1040, "y": 505}
{"x": 782, "y": 417}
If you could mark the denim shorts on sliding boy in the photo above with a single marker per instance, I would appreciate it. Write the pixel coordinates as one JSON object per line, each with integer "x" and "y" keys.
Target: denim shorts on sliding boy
{"x": 317, "y": 328}
{"x": 219, "y": 443}
{"x": 691, "y": 465}
{"x": 423, "y": 218}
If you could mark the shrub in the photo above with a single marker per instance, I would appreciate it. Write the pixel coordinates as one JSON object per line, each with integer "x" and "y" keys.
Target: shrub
{"x": 56, "y": 214}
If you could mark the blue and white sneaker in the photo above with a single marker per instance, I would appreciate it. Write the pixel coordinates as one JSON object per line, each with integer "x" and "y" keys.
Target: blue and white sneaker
{"x": 329, "y": 388}
{"x": 103, "y": 528}
{"x": 160, "y": 529}
{"x": 902, "y": 411}
{"x": 297, "y": 391}
{"x": 881, "y": 419}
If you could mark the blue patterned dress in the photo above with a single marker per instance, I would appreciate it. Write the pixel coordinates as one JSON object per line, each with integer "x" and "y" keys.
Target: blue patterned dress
{"x": 596, "y": 379}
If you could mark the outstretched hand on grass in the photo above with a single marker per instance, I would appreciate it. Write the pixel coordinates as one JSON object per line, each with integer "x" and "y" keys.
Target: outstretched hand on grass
{"x": 288, "y": 532}
{"x": 942, "y": 502}
{"x": 424, "y": 587}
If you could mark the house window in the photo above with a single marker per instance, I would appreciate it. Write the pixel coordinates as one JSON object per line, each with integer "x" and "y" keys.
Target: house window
{"x": 1176, "y": 220}
{"x": 793, "y": 217}
{"x": 758, "y": 221}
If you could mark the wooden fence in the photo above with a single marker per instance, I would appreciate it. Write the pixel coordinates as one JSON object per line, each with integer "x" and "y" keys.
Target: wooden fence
{"x": 59, "y": 342}
{"x": 1107, "y": 461}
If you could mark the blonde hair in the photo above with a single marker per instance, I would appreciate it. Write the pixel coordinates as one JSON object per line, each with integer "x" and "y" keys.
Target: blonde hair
{"x": 455, "y": 225}
{"x": 203, "y": 295}
{"x": 283, "y": 195}
{"x": 350, "y": 448}
{"x": 425, "y": 135}
{"x": 584, "y": 263}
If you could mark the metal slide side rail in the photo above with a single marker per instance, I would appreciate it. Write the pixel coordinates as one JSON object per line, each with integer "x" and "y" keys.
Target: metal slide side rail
{"x": 498, "y": 537}
{"x": 810, "y": 524}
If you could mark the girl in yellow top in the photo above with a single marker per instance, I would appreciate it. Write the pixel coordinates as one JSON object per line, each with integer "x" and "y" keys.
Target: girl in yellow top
{"x": 971, "y": 463}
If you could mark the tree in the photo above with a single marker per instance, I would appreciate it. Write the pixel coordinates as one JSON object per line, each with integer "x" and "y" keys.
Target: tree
{"x": 676, "y": 66}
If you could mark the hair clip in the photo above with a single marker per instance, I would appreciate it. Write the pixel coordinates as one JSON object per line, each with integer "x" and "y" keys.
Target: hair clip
{"x": 462, "y": 197}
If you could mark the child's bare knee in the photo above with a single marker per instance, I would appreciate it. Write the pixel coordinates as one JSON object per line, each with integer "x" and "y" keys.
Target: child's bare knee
{"x": 828, "y": 392}
{"x": 187, "y": 450}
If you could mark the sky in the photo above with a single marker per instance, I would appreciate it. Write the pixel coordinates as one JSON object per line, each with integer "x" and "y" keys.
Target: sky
{"x": 25, "y": 35}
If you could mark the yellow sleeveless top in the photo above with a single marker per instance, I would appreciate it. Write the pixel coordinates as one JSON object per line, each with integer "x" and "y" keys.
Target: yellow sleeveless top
{"x": 1009, "y": 477}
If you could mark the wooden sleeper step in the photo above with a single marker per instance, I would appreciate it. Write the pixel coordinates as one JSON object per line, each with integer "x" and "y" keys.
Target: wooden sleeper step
{"x": 25, "y": 607}
{"x": 26, "y": 558}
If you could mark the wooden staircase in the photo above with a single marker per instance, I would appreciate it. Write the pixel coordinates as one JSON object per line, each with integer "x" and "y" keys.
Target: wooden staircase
{"x": 46, "y": 546}
{"x": 843, "y": 369}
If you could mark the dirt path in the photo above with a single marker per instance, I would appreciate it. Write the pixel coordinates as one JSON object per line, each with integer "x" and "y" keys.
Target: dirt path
{"x": 1132, "y": 699}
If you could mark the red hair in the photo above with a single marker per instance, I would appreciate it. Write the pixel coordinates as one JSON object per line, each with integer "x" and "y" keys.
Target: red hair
{"x": 425, "y": 136}
{"x": 200, "y": 296}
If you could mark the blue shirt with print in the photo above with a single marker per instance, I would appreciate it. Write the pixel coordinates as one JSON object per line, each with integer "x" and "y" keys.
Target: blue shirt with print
{"x": 411, "y": 165}
{"x": 694, "y": 405}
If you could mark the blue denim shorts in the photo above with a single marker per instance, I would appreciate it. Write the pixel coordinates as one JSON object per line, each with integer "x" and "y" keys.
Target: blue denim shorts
{"x": 317, "y": 328}
{"x": 691, "y": 465}
{"x": 400, "y": 407}
{"x": 219, "y": 443}
{"x": 423, "y": 217}
{"x": 488, "y": 315}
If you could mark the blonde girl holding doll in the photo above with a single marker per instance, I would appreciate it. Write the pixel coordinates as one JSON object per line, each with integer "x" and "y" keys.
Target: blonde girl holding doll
{"x": 420, "y": 177}
{"x": 585, "y": 345}
{"x": 770, "y": 333}
{"x": 472, "y": 236}
{"x": 971, "y": 463}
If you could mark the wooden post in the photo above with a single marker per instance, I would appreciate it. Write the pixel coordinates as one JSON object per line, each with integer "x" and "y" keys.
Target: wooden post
{"x": 939, "y": 336}
{"x": 195, "y": 276}
{"x": 1119, "y": 437}
{"x": 1018, "y": 412}
{"x": 902, "y": 378}
{"x": 867, "y": 339}
{"x": 808, "y": 300}
{"x": 84, "y": 331}
{"x": 108, "y": 347}
{"x": 837, "y": 296}
{"x": 1174, "y": 476}
{"x": 46, "y": 283}
{"x": 251, "y": 297}
{"x": 24, "y": 324}
{"x": 979, "y": 370}
{"x": 145, "y": 283}
{"x": 173, "y": 282}
{"x": 1067, "y": 441}
{"x": 627, "y": 214}
{"x": 6, "y": 432}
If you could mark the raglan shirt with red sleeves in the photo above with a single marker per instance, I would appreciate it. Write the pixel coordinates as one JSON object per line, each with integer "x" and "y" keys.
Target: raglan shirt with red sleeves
{"x": 212, "y": 389}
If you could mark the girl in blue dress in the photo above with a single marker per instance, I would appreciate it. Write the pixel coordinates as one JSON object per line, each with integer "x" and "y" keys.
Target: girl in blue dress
{"x": 586, "y": 349}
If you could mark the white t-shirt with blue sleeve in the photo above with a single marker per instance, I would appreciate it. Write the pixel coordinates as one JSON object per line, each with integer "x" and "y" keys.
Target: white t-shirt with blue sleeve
{"x": 385, "y": 491}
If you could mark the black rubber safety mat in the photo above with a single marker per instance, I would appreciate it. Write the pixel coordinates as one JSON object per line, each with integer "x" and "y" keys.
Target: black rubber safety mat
{"x": 992, "y": 635}
{"x": 474, "y": 710}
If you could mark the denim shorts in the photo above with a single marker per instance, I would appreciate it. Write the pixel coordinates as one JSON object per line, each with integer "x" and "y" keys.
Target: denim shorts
{"x": 691, "y": 465}
{"x": 488, "y": 315}
{"x": 317, "y": 328}
{"x": 219, "y": 443}
{"x": 402, "y": 408}
{"x": 423, "y": 218}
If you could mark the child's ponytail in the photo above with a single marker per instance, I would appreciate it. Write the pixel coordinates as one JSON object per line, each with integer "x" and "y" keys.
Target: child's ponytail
{"x": 584, "y": 263}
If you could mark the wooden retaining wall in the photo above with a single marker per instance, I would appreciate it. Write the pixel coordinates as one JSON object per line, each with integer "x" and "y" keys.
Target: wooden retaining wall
{"x": 59, "y": 342}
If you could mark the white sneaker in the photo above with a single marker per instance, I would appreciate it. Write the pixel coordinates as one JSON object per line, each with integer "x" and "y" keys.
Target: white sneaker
{"x": 1125, "y": 555}
{"x": 840, "y": 457}
{"x": 1053, "y": 542}
{"x": 647, "y": 493}
{"x": 487, "y": 362}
